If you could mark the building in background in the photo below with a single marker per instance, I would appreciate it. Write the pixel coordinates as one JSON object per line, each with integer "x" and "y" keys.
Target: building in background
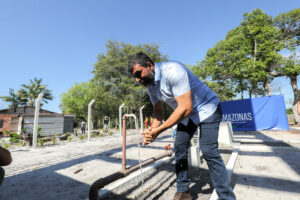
{"x": 51, "y": 123}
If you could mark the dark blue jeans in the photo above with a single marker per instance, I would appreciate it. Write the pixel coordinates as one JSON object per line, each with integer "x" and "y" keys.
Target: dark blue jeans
{"x": 2, "y": 173}
{"x": 209, "y": 129}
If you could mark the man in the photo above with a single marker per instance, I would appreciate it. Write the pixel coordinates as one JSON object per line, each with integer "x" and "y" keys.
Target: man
{"x": 105, "y": 124}
{"x": 82, "y": 125}
{"x": 5, "y": 159}
{"x": 194, "y": 105}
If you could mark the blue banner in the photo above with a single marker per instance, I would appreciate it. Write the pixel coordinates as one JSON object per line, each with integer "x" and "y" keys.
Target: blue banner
{"x": 263, "y": 113}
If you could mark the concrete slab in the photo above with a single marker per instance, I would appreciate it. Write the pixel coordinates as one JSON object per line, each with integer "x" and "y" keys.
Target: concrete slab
{"x": 225, "y": 134}
{"x": 265, "y": 170}
{"x": 295, "y": 129}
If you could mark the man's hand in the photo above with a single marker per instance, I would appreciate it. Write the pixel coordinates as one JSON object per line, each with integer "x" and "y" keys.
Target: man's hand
{"x": 150, "y": 135}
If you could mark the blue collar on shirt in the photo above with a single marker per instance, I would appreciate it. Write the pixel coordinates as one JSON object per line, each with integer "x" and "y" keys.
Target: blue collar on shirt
{"x": 157, "y": 75}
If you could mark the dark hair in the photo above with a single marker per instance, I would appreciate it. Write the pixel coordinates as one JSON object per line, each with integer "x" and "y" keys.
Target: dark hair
{"x": 138, "y": 58}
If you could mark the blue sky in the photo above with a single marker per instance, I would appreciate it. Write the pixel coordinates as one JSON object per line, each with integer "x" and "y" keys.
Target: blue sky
{"x": 59, "y": 40}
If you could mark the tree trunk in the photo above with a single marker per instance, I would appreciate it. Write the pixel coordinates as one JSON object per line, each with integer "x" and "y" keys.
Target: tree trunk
{"x": 295, "y": 102}
{"x": 268, "y": 88}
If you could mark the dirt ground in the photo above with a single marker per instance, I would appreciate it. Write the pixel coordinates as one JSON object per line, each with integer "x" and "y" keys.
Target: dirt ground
{"x": 266, "y": 160}
{"x": 66, "y": 171}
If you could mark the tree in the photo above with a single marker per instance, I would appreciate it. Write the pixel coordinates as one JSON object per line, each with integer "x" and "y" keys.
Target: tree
{"x": 245, "y": 60}
{"x": 15, "y": 99}
{"x": 289, "y": 26}
{"x": 76, "y": 100}
{"x": 223, "y": 89}
{"x": 111, "y": 85}
{"x": 263, "y": 37}
{"x": 32, "y": 91}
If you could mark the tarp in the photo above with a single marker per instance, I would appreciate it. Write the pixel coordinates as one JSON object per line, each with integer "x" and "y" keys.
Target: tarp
{"x": 263, "y": 113}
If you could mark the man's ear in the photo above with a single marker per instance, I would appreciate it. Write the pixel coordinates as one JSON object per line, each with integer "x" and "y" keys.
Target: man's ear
{"x": 150, "y": 65}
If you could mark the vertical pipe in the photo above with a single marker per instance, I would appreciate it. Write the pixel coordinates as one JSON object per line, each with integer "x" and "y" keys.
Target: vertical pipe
{"x": 141, "y": 118}
{"x": 124, "y": 145}
{"x": 120, "y": 118}
{"x": 36, "y": 120}
{"x": 90, "y": 119}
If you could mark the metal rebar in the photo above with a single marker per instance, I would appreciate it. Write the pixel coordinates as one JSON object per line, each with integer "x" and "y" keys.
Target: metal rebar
{"x": 124, "y": 145}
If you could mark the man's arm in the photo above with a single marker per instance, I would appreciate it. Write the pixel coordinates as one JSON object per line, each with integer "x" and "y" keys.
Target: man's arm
{"x": 183, "y": 110}
{"x": 5, "y": 157}
{"x": 158, "y": 114}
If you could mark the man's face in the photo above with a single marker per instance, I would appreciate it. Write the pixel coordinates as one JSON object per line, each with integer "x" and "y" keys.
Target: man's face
{"x": 144, "y": 75}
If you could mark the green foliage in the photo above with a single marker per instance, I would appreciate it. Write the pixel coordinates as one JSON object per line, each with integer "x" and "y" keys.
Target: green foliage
{"x": 6, "y": 146}
{"x": 68, "y": 134}
{"x": 77, "y": 99}
{"x": 69, "y": 138}
{"x": 111, "y": 84}
{"x": 14, "y": 138}
{"x": 92, "y": 134}
{"x": 24, "y": 130}
{"x": 289, "y": 111}
{"x": 6, "y": 132}
{"x": 41, "y": 141}
{"x": 288, "y": 24}
{"x": 39, "y": 130}
{"x": 27, "y": 94}
{"x": 81, "y": 137}
{"x": 245, "y": 60}
{"x": 53, "y": 140}
{"x": 15, "y": 98}
{"x": 32, "y": 91}
{"x": 110, "y": 132}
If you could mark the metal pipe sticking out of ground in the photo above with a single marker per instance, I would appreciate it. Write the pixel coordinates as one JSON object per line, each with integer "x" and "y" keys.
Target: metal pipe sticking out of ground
{"x": 102, "y": 182}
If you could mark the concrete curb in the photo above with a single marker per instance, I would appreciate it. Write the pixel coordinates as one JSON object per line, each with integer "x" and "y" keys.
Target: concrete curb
{"x": 270, "y": 148}
{"x": 229, "y": 167}
{"x": 295, "y": 129}
{"x": 270, "y": 141}
{"x": 134, "y": 176}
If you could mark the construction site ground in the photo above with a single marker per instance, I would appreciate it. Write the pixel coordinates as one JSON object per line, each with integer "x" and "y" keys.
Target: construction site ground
{"x": 267, "y": 167}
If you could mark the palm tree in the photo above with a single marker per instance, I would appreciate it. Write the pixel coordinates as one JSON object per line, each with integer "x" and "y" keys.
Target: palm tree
{"x": 15, "y": 99}
{"x": 32, "y": 91}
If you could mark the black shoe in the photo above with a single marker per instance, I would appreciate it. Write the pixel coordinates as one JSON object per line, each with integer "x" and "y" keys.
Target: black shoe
{"x": 183, "y": 195}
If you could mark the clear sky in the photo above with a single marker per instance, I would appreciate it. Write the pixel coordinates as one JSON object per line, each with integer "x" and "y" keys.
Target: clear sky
{"x": 59, "y": 40}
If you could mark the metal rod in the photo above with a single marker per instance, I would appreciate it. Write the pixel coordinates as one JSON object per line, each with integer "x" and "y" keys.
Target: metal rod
{"x": 141, "y": 118}
{"x": 90, "y": 119}
{"x": 120, "y": 118}
{"x": 36, "y": 120}
{"x": 149, "y": 161}
{"x": 124, "y": 145}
